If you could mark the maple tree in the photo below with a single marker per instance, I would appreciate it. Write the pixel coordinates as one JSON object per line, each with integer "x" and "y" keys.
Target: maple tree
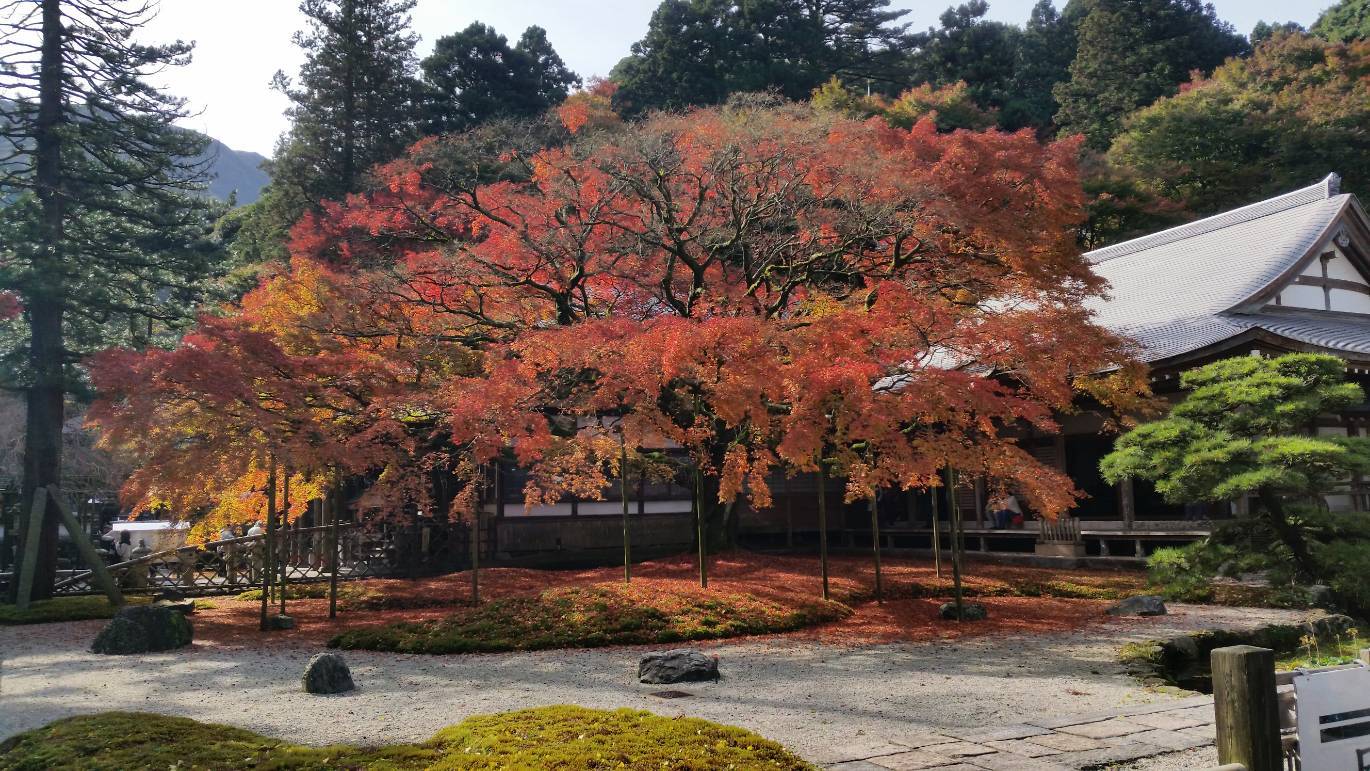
{"x": 770, "y": 288}
{"x": 760, "y": 285}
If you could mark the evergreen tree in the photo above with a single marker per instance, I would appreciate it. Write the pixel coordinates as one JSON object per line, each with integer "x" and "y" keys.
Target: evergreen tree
{"x": 102, "y": 237}
{"x": 1132, "y": 52}
{"x": 1344, "y": 22}
{"x": 970, "y": 49}
{"x": 698, "y": 52}
{"x": 474, "y": 76}
{"x": 352, "y": 106}
{"x": 1045, "y": 50}
{"x": 1243, "y": 430}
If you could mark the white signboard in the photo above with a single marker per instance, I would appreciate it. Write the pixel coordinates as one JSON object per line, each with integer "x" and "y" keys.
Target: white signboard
{"x": 1334, "y": 719}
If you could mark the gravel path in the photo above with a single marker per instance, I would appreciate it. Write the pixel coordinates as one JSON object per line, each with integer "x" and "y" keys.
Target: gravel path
{"x": 811, "y": 697}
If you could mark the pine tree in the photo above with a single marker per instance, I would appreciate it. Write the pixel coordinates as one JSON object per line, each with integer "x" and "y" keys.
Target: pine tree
{"x": 1132, "y": 52}
{"x": 99, "y": 235}
{"x": 698, "y": 52}
{"x": 353, "y": 102}
{"x": 475, "y": 75}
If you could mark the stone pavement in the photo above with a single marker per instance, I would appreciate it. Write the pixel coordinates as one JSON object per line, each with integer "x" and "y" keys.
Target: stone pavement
{"x": 1039, "y": 744}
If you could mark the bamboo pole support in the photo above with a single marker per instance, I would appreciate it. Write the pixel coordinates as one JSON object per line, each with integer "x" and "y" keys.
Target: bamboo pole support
{"x": 823, "y": 524}
{"x": 699, "y": 530}
{"x": 875, "y": 544}
{"x": 337, "y": 496}
{"x": 623, "y": 493}
{"x": 268, "y": 566}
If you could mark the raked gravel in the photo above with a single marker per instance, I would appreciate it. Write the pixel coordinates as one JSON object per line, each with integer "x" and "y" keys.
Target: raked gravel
{"x": 809, "y": 696}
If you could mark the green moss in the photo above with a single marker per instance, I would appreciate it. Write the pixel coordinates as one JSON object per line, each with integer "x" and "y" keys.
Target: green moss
{"x": 64, "y": 609}
{"x": 586, "y": 618}
{"x": 560, "y": 737}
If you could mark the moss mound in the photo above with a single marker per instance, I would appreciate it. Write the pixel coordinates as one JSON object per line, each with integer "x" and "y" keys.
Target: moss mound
{"x": 590, "y": 617}
{"x": 64, "y": 609}
{"x": 561, "y": 737}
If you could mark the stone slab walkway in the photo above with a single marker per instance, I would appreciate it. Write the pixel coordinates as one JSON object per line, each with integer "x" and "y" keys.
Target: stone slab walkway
{"x": 1039, "y": 744}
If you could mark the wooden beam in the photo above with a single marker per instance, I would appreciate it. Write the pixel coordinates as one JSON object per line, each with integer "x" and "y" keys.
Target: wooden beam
{"x": 102, "y": 576}
{"x": 32, "y": 535}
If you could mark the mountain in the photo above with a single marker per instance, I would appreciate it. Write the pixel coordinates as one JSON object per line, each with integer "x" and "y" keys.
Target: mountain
{"x": 234, "y": 170}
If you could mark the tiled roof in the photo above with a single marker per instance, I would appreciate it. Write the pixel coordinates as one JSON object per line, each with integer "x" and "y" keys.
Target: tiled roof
{"x": 1182, "y": 289}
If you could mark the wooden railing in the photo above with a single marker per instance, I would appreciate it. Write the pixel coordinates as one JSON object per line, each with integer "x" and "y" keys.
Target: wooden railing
{"x": 1060, "y": 530}
{"x": 234, "y": 565}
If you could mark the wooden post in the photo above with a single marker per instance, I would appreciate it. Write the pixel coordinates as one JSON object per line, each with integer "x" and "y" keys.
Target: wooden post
{"x": 103, "y": 579}
{"x": 32, "y": 535}
{"x": 623, "y": 493}
{"x": 823, "y": 524}
{"x": 1245, "y": 707}
{"x": 875, "y": 540}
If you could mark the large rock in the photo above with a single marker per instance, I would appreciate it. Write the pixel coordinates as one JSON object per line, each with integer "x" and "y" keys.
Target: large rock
{"x": 970, "y": 611}
{"x": 677, "y": 666}
{"x": 119, "y": 637}
{"x": 143, "y": 628}
{"x": 1143, "y": 605}
{"x": 1331, "y": 626}
{"x": 327, "y": 673}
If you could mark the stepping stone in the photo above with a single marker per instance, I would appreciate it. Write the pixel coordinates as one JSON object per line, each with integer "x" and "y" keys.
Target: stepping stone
{"x": 1066, "y": 742}
{"x": 1105, "y": 729}
{"x": 1171, "y": 740}
{"x": 1171, "y": 721}
{"x": 962, "y": 749}
{"x": 1003, "y": 762}
{"x": 920, "y": 739}
{"x": 915, "y": 761}
{"x": 861, "y": 751}
{"x": 1003, "y": 733}
{"x": 1023, "y": 748}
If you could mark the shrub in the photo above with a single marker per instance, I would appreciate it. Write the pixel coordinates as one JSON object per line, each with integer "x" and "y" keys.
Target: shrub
{"x": 64, "y": 609}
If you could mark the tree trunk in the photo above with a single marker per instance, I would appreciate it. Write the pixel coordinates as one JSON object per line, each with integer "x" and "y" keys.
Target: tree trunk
{"x": 267, "y": 547}
{"x": 700, "y": 541}
{"x": 823, "y": 525}
{"x": 1290, "y": 535}
{"x": 45, "y": 305}
{"x": 623, "y": 493}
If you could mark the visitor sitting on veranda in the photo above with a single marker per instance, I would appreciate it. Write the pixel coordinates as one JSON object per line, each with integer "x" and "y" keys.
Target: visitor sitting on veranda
{"x": 1006, "y": 511}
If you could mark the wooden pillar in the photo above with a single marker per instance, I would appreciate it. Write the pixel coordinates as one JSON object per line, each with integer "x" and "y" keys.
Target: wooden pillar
{"x": 980, "y": 502}
{"x": 1245, "y": 707}
{"x": 1127, "y": 503}
{"x": 28, "y": 561}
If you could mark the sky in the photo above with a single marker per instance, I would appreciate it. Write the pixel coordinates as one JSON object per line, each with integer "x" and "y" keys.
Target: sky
{"x": 239, "y": 45}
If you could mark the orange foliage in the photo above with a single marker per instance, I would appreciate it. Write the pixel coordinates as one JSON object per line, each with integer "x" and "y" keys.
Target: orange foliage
{"x": 763, "y": 287}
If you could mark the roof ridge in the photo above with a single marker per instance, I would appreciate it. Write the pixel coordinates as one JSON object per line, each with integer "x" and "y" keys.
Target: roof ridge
{"x": 1327, "y": 188}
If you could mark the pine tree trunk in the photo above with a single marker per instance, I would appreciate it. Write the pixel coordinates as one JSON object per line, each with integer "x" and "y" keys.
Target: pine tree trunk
{"x": 46, "y": 392}
{"x": 1290, "y": 535}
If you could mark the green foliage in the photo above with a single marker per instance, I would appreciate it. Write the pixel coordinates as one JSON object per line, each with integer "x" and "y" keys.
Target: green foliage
{"x": 951, "y": 107}
{"x": 1182, "y": 573}
{"x": 1344, "y": 22}
{"x": 966, "y": 48}
{"x": 1279, "y": 119}
{"x": 352, "y": 106}
{"x": 557, "y": 737}
{"x": 1242, "y": 431}
{"x": 475, "y": 75}
{"x": 586, "y": 618}
{"x": 699, "y": 52}
{"x": 64, "y": 609}
{"x": 1131, "y": 52}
